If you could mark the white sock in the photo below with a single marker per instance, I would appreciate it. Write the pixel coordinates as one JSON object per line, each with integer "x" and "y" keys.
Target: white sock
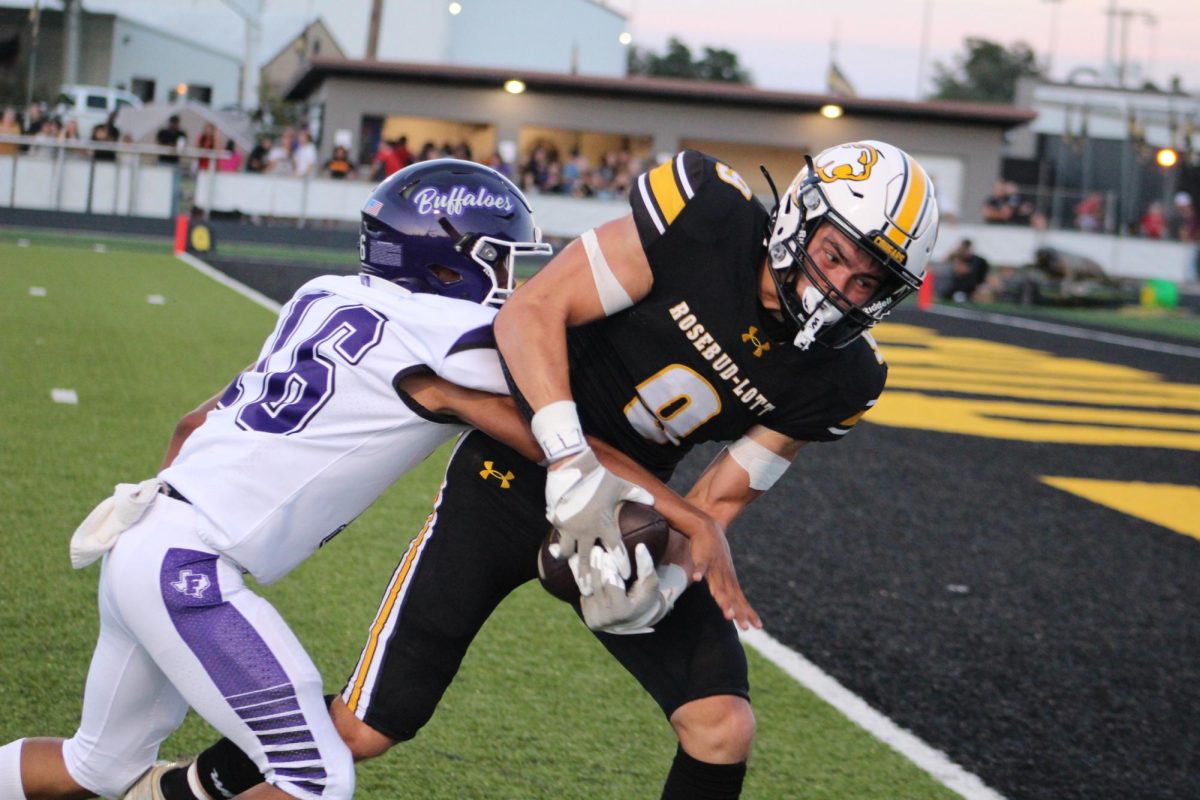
{"x": 11, "y": 787}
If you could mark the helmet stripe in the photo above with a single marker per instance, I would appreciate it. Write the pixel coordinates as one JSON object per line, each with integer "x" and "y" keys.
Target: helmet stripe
{"x": 666, "y": 191}
{"x": 904, "y": 225}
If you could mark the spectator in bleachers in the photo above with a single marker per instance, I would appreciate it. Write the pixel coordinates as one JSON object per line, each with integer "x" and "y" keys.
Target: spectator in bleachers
{"x": 339, "y": 166}
{"x": 70, "y": 135}
{"x": 968, "y": 271}
{"x": 404, "y": 156}
{"x": 232, "y": 160}
{"x": 497, "y": 162}
{"x": 207, "y": 140}
{"x": 997, "y": 208}
{"x": 1153, "y": 224}
{"x": 171, "y": 136}
{"x": 1022, "y": 209}
{"x": 428, "y": 151}
{"x": 257, "y": 160}
{"x": 101, "y": 132}
{"x": 45, "y": 138}
{"x": 279, "y": 159}
{"x": 386, "y": 162}
{"x": 1184, "y": 224}
{"x": 462, "y": 150}
{"x": 1089, "y": 213}
{"x": 304, "y": 159}
{"x": 35, "y": 118}
{"x": 10, "y": 127}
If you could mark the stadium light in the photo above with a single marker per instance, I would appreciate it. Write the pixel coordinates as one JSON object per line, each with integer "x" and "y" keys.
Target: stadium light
{"x": 831, "y": 111}
{"x": 625, "y": 38}
{"x": 181, "y": 90}
{"x": 1166, "y": 158}
{"x": 455, "y": 9}
{"x": 514, "y": 86}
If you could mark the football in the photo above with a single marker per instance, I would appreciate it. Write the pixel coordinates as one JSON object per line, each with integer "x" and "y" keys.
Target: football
{"x": 639, "y": 523}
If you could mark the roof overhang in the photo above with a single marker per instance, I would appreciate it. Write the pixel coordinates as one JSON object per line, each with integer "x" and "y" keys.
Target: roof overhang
{"x": 667, "y": 90}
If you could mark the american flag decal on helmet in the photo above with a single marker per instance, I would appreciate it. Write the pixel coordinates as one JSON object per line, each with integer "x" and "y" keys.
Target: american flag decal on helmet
{"x": 373, "y": 207}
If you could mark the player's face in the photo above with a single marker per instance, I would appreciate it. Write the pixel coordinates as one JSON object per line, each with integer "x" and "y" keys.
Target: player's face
{"x": 849, "y": 269}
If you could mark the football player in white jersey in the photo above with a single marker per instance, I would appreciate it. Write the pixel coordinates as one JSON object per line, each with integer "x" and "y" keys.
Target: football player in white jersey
{"x": 362, "y": 377}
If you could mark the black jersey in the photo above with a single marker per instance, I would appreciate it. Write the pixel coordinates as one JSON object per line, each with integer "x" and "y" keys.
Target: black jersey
{"x": 699, "y": 359}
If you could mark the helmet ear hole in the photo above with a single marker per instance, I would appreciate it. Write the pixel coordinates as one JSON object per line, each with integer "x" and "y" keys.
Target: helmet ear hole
{"x": 445, "y": 274}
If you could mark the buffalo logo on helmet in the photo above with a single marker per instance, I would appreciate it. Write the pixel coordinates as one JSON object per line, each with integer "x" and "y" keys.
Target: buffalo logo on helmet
{"x": 848, "y": 162}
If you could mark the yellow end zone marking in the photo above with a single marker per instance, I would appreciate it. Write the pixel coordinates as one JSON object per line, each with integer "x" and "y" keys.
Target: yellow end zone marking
{"x": 1022, "y": 394}
{"x": 1169, "y": 505}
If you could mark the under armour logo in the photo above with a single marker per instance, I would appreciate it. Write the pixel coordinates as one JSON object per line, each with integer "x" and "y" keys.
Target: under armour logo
{"x": 489, "y": 471}
{"x": 759, "y": 346}
{"x": 193, "y": 584}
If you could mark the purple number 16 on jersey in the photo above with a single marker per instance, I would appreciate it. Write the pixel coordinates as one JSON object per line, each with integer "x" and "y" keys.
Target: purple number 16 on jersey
{"x": 291, "y": 398}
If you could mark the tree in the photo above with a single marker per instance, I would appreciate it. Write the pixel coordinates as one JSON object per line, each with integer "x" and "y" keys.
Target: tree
{"x": 678, "y": 62}
{"x": 987, "y": 72}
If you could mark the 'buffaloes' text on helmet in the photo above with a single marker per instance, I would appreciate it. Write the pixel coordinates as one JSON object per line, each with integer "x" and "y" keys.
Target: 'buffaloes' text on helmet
{"x": 448, "y": 227}
{"x": 879, "y": 197}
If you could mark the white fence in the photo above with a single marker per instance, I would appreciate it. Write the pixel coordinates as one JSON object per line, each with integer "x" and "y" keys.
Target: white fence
{"x": 1121, "y": 256}
{"x": 58, "y": 178}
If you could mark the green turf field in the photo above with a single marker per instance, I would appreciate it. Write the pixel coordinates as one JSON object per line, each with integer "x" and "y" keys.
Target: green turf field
{"x": 1174, "y": 323}
{"x": 539, "y": 709}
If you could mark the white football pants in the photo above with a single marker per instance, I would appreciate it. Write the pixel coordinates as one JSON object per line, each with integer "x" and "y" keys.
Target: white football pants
{"x": 178, "y": 627}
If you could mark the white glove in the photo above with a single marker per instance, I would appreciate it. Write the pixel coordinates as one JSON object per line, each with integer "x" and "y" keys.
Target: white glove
{"x": 582, "y": 498}
{"x": 613, "y": 609}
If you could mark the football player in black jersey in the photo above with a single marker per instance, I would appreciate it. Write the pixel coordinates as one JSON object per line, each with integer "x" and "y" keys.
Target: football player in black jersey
{"x": 700, "y": 316}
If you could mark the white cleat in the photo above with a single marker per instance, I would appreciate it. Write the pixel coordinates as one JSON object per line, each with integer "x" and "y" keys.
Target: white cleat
{"x": 146, "y": 787}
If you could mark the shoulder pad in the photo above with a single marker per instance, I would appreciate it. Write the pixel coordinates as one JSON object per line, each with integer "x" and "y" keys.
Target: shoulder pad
{"x": 661, "y": 194}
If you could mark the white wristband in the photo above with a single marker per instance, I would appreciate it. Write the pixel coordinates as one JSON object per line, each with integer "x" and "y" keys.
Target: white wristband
{"x": 556, "y": 428}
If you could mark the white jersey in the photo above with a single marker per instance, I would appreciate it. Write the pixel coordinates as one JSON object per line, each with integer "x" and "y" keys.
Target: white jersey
{"x": 307, "y": 438}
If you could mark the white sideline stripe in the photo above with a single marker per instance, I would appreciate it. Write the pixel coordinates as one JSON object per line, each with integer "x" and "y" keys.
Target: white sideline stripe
{"x": 1067, "y": 330}
{"x": 64, "y": 396}
{"x": 825, "y": 686}
{"x": 221, "y": 278}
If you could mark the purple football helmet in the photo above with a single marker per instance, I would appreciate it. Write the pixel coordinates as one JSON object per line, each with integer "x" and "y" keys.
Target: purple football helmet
{"x": 448, "y": 227}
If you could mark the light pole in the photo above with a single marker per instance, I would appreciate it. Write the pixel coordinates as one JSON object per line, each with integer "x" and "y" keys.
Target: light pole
{"x": 35, "y": 23}
{"x": 1151, "y": 23}
{"x": 1054, "y": 4}
{"x": 251, "y": 13}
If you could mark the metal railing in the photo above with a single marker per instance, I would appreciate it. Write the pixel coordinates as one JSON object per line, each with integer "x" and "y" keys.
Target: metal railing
{"x": 126, "y": 156}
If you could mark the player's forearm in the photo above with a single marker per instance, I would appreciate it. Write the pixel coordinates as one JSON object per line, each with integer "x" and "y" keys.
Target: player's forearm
{"x": 722, "y": 492}
{"x": 495, "y": 415}
{"x": 679, "y": 513}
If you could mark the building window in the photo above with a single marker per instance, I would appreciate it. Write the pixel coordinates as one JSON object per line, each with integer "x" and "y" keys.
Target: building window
{"x": 201, "y": 94}
{"x": 144, "y": 89}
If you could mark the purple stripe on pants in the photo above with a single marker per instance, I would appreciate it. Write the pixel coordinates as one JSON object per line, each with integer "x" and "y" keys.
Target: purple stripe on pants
{"x": 228, "y": 647}
{"x": 269, "y": 709}
{"x": 266, "y": 695}
{"x": 288, "y": 756}
{"x": 312, "y": 773}
{"x": 290, "y": 721}
{"x": 294, "y": 737}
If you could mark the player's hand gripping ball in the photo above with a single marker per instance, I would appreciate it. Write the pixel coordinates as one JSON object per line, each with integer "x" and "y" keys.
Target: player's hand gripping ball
{"x": 639, "y": 523}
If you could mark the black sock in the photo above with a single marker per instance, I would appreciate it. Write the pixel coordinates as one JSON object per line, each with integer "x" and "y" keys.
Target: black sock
{"x": 174, "y": 784}
{"x": 225, "y": 771}
{"x": 690, "y": 779}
